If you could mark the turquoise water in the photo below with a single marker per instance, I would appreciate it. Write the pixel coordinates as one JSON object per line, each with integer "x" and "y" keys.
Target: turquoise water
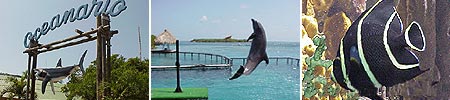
{"x": 268, "y": 82}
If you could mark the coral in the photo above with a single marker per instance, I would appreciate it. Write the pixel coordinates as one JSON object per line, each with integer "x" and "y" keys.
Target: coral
{"x": 320, "y": 19}
{"x": 314, "y": 83}
{"x": 316, "y": 77}
{"x": 334, "y": 28}
{"x": 310, "y": 25}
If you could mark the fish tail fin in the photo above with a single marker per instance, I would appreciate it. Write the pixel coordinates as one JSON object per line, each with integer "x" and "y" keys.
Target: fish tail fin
{"x": 414, "y": 37}
{"x": 82, "y": 60}
{"x": 238, "y": 73}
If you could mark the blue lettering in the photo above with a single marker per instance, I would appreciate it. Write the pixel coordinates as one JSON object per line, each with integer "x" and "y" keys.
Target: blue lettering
{"x": 120, "y": 8}
{"x": 53, "y": 25}
{"x": 68, "y": 14}
{"x": 25, "y": 41}
{"x": 97, "y": 9}
{"x": 82, "y": 13}
{"x": 85, "y": 7}
{"x": 44, "y": 29}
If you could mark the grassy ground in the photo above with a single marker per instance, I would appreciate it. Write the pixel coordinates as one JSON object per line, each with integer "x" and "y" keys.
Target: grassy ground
{"x": 218, "y": 40}
{"x": 188, "y": 93}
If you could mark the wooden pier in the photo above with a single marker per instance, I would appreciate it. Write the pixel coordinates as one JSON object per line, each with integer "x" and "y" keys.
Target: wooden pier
{"x": 215, "y": 61}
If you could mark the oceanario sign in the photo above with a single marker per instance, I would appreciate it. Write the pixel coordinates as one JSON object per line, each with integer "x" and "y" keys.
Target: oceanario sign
{"x": 82, "y": 12}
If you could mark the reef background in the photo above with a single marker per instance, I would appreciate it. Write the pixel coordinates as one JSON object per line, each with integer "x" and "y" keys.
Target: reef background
{"x": 333, "y": 17}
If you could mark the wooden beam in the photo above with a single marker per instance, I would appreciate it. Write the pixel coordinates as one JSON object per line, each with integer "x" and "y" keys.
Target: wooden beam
{"x": 65, "y": 40}
{"x": 68, "y": 44}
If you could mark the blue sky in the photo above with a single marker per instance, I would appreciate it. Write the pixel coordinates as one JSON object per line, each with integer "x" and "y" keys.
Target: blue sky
{"x": 190, "y": 19}
{"x": 19, "y": 17}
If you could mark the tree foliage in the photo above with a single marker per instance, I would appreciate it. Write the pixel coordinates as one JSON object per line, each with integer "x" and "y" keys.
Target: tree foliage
{"x": 16, "y": 87}
{"x": 153, "y": 46}
{"x": 129, "y": 80}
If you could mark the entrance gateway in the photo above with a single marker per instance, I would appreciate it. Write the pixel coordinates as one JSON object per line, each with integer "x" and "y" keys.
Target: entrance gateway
{"x": 103, "y": 37}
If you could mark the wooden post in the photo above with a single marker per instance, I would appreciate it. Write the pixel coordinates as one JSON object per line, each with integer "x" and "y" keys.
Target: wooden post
{"x": 33, "y": 78}
{"x": 177, "y": 63}
{"x": 106, "y": 53}
{"x": 28, "y": 77}
{"x": 140, "y": 47}
{"x": 99, "y": 58}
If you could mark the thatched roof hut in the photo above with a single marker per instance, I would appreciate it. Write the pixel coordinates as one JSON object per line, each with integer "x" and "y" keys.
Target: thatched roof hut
{"x": 165, "y": 38}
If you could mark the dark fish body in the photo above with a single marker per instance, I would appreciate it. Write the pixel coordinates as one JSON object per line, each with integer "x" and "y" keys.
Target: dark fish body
{"x": 257, "y": 51}
{"x": 56, "y": 74}
{"x": 375, "y": 51}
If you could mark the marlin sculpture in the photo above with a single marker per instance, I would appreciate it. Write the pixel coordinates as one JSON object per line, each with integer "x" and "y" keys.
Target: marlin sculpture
{"x": 257, "y": 51}
{"x": 57, "y": 74}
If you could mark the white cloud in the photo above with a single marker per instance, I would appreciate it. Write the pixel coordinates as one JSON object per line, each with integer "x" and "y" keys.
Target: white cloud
{"x": 204, "y": 19}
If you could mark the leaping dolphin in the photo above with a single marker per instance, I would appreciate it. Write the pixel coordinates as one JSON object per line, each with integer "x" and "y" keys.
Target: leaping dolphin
{"x": 257, "y": 51}
{"x": 56, "y": 74}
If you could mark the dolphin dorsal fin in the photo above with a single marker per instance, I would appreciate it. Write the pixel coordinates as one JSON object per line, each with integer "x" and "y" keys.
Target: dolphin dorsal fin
{"x": 59, "y": 63}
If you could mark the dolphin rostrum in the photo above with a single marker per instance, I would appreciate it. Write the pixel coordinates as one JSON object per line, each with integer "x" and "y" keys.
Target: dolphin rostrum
{"x": 59, "y": 73}
{"x": 257, "y": 51}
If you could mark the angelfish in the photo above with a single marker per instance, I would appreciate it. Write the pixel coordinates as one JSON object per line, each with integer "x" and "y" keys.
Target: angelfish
{"x": 57, "y": 74}
{"x": 376, "y": 51}
{"x": 257, "y": 51}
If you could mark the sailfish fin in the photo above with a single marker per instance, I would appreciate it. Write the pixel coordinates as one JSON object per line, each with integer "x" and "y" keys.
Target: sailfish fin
{"x": 59, "y": 63}
{"x": 81, "y": 61}
{"x": 414, "y": 37}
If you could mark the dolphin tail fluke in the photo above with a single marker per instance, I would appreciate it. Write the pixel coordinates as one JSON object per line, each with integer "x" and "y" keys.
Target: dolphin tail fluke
{"x": 81, "y": 61}
{"x": 238, "y": 73}
{"x": 44, "y": 84}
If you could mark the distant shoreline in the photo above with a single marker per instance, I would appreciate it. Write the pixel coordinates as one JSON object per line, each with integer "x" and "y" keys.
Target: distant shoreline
{"x": 218, "y": 40}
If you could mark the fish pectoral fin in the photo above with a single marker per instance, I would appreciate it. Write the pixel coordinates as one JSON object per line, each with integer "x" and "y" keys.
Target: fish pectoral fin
{"x": 44, "y": 84}
{"x": 414, "y": 37}
{"x": 251, "y": 36}
{"x": 266, "y": 58}
{"x": 354, "y": 61}
{"x": 53, "y": 88}
{"x": 238, "y": 73}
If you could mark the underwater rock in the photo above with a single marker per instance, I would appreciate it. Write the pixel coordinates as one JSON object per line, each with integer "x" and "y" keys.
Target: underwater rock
{"x": 308, "y": 8}
{"x": 334, "y": 29}
{"x": 321, "y": 5}
{"x": 352, "y": 8}
{"x": 310, "y": 25}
